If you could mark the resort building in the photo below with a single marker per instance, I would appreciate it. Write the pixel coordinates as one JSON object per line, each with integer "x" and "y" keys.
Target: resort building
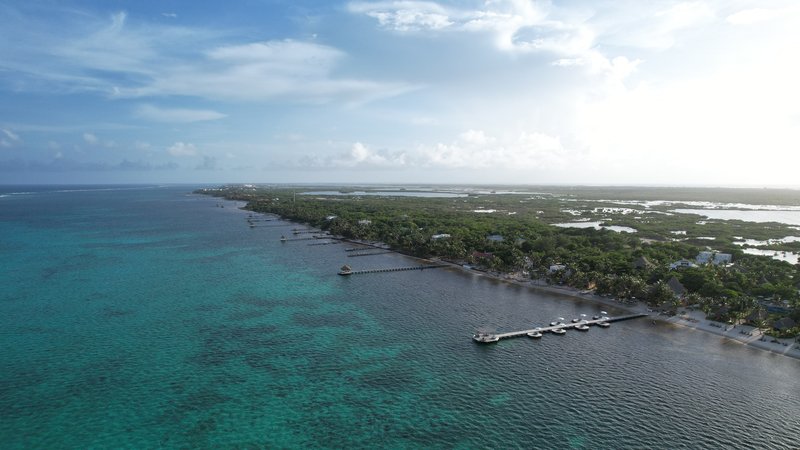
{"x": 715, "y": 258}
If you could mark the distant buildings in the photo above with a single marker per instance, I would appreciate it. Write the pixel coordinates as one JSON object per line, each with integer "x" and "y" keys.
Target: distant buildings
{"x": 715, "y": 258}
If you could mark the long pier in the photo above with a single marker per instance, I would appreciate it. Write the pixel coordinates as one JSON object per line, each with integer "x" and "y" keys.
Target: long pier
{"x": 325, "y": 243}
{"x": 382, "y": 252}
{"x": 390, "y": 269}
{"x": 304, "y": 238}
{"x": 486, "y": 338}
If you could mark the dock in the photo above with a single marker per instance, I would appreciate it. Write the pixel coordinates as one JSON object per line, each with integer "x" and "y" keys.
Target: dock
{"x": 311, "y": 238}
{"x": 347, "y": 271}
{"x": 325, "y": 243}
{"x": 486, "y": 338}
{"x": 298, "y": 231}
{"x": 382, "y": 252}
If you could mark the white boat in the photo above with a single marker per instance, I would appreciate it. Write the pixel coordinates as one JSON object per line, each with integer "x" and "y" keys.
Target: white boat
{"x": 559, "y": 331}
{"x": 485, "y": 338}
{"x": 535, "y": 334}
{"x": 603, "y": 324}
{"x": 582, "y": 327}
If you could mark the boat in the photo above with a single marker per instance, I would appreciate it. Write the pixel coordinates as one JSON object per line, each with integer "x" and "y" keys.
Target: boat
{"x": 485, "y": 338}
{"x": 582, "y": 327}
{"x": 345, "y": 270}
{"x": 559, "y": 331}
{"x": 603, "y": 324}
{"x": 535, "y": 334}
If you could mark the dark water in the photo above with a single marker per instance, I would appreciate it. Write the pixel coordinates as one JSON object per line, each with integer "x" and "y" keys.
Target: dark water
{"x": 150, "y": 317}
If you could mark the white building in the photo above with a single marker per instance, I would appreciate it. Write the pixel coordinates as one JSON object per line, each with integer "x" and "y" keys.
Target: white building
{"x": 682, "y": 264}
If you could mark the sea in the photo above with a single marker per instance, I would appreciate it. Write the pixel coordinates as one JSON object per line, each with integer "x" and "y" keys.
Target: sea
{"x": 152, "y": 317}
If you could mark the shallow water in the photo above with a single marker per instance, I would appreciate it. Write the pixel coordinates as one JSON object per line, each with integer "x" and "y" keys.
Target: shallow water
{"x": 153, "y": 318}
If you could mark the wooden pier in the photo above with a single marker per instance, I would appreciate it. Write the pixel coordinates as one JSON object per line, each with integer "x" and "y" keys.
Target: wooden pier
{"x": 296, "y": 231}
{"x": 382, "y": 252}
{"x": 487, "y": 338}
{"x": 347, "y": 271}
{"x": 325, "y": 243}
{"x": 311, "y": 238}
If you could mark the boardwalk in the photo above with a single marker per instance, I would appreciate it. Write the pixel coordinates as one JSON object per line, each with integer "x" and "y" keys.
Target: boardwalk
{"x": 311, "y": 238}
{"x": 382, "y": 252}
{"x": 489, "y": 337}
{"x": 390, "y": 269}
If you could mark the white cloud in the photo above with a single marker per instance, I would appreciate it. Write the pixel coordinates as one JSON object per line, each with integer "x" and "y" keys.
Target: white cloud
{"x": 515, "y": 26}
{"x": 757, "y": 15}
{"x": 142, "y": 146}
{"x": 287, "y": 70}
{"x": 474, "y": 149}
{"x": 176, "y": 115}
{"x": 154, "y": 59}
{"x": 360, "y": 156}
{"x": 90, "y": 138}
{"x": 405, "y": 15}
{"x": 182, "y": 149}
{"x": 10, "y": 138}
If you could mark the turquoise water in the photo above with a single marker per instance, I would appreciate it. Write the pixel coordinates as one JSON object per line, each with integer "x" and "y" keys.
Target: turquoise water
{"x": 149, "y": 317}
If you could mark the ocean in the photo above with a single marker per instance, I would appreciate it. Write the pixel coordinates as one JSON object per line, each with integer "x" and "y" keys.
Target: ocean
{"x": 150, "y": 317}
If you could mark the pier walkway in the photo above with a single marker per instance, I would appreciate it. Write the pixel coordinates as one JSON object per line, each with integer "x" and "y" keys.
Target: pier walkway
{"x": 390, "y": 269}
{"x": 494, "y": 337}
{"x": 382, "y": 252}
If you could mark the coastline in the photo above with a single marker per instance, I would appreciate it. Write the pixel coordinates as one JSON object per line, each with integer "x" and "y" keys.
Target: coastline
{"x": 696, "y": 320}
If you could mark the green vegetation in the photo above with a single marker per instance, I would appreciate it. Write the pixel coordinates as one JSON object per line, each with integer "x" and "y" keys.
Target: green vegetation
{"x": 755, "y": 288}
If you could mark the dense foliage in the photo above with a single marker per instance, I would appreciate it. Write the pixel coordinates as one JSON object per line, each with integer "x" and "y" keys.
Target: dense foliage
{"x": 516, "y": 238}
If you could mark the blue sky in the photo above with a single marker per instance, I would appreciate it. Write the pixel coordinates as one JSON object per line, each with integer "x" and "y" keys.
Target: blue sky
{"x": 507, "y": 91}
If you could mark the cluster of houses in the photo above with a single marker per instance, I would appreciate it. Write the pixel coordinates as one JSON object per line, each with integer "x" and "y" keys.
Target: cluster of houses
{"x": 704, "y": 257}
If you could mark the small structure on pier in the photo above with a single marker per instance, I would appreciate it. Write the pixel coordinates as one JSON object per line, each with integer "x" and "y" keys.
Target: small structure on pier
{"x": 557, "y": 328}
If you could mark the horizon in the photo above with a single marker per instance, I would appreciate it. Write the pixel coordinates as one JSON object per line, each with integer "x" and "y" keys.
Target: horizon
{"x": 438, "y": 185}
{"x": 511, "y": 92}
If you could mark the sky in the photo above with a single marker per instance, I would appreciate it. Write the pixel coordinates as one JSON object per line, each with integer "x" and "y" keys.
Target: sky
{"x": 621, "y": 92}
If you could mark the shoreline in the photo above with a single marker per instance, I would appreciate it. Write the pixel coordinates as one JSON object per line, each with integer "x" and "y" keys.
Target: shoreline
{"x": 691, "y": 319}
{"x": 743, "y": 334}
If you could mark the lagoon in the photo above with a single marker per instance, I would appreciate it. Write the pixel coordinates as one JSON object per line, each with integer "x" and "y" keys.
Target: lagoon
{"x": 789, "y": 217}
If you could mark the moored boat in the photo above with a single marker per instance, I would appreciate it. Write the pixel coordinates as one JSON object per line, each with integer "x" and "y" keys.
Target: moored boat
{"x": 535, "y": 334}
{"x": 484, "y": 338}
